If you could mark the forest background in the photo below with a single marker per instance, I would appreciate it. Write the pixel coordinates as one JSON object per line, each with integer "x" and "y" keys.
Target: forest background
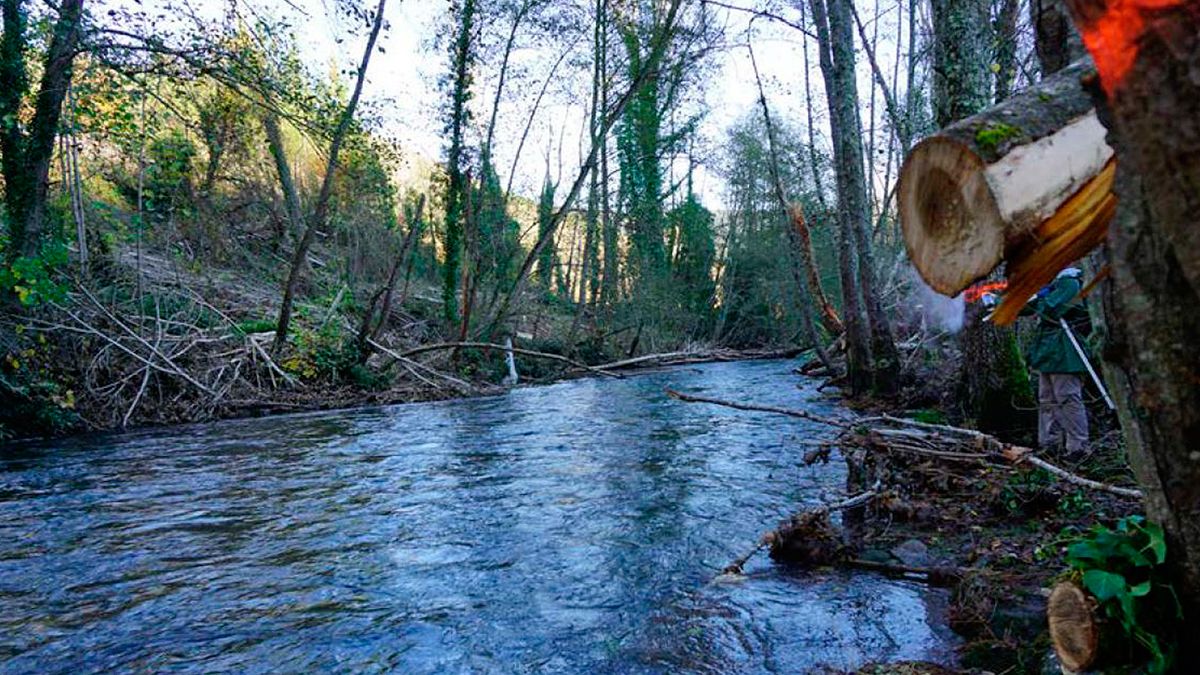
{"x": 237, "y": 208}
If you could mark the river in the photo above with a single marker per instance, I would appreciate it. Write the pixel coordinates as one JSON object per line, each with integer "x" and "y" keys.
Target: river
{"x": 575, "y": 527}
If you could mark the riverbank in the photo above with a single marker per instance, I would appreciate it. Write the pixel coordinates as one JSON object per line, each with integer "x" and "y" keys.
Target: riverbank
{"x": 149, "y": 341}
{"x": 953, "y": 507}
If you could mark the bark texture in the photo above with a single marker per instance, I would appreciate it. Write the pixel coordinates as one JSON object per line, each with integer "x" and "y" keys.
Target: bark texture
{"x": 960, "y": 59}
{"x": 1054, "y": 38}
{"x": 26, "y": 156}
{"x": 1149, "y": 66}
{"x": 872, "y": 359}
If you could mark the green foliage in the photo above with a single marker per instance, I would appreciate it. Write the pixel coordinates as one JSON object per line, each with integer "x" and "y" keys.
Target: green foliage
{"x": 545, "y": 212}
{"x": 758, "y": 303}
{"x": 1075, "y": 505}
{"x": 499, "y": 234}
{"x": 32, "y": 280}
{"x": 692, "y": 227}
{"x": 168, "y": 180}
{"x": 1026, "y": 488}
{"x": 990, "y": 137}
{"x": 321, "y": 354}
{"x": 1123, "y": 567}
{"x": 928, "y": 415}
{"x": 35, "y": 398}
{"x": 254, "y": 326}
{"x": 458, "y": 117}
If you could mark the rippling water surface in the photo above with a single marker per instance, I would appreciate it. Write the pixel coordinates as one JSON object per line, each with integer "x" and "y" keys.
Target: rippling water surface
{"x": 569, "y": 528}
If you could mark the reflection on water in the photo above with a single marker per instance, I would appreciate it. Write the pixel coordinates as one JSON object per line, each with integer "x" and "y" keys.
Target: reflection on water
{"x": 568, "y": 528}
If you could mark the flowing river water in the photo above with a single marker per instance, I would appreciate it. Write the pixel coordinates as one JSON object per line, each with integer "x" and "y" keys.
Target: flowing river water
{"x": 575, "y": 527}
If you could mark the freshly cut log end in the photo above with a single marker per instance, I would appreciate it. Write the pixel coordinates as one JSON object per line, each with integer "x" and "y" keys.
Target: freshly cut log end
{"x": 975, "y": 191}
{"x": 1074, "y": 631}
{"x": 951, "y": 225}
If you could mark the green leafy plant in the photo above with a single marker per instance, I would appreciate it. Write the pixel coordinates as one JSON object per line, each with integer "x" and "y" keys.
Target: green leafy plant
{"x": 31, "y": 279}
{"x": 1022, "y": 489}
{"x": 1122, "y": 568}
{"x": 1075, "y": 504}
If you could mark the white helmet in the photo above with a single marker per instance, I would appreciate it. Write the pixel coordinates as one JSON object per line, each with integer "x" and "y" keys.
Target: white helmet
{"x": 1072, "y": 272}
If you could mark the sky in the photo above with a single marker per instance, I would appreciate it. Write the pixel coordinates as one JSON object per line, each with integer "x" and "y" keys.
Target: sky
{"x": 402, "y": 80}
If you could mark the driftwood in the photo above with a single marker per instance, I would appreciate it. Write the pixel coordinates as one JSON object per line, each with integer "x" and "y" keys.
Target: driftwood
{"x": 879, "y": 433}
{"x": 976, "y": 192}
{"x": 699, "y": 356}
{"x": 489, "y": 346}
{"x": 788, "y": 528}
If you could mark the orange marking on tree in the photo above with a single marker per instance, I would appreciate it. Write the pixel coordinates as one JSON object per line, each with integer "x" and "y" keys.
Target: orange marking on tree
{"x": 1113, "y": 34}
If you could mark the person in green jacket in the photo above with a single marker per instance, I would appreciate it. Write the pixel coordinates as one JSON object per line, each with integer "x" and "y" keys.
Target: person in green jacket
{"x": 1062, "y": 418}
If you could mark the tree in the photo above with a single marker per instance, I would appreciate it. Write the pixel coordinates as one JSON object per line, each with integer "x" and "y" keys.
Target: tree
{"x": 321, "y": 208}
{"x": 545, "y": 220}
{"x": 662, "y": 33}
{"x": 872, "y": 361}
{"x": 458, "y": 117}
{"x": 692, "y": 263}
{"x": 961, "y": 72}
{"x": 27, "y": 152}
{"x": 1150, "y": 101}
{"x": 1056, "y": 41}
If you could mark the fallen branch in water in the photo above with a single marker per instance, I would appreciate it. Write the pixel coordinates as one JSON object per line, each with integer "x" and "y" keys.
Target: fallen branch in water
{"x": 501, "y": 348}
{"x": 802, "y": 414}
{"x": 934, "y": 440}
{"x": 707, "y": 356}
{"x": 938, "y": 576}
{"x": 774, "y": 537}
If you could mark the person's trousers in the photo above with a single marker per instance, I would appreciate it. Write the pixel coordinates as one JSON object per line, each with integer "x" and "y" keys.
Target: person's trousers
{"x": 1062, "y": 419}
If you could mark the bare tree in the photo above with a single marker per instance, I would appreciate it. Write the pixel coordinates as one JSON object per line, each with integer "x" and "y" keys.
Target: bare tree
{"x": 321, "y": 208}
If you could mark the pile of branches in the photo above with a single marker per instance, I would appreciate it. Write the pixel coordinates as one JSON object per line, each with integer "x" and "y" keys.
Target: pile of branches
{"x": 132, "y": 356}
{"x": 898, "y": 464}
{"x": 942, "y": 443}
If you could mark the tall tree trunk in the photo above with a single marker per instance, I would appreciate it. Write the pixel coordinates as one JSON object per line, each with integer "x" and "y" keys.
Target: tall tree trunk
{"x": 1150, "y": 102}
{"x": 1054, "y": 38}
{"x": 813, "y": 164}
{"x": 858, "y": 350}
{"x": 291, "y": 196}
{"x": 321, "y": 210}
{"x": 885, "y": 358}
{"x": 804, "y": 294}
{"x": 961, "y": 75}
{"x": 882, "y": 368}
{"x": 27, "y": 156}
{"x": 456, "y": 190}
{"x": 1006, "y": 48}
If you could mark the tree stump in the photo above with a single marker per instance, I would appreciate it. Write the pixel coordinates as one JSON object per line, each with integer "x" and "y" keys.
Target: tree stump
{"x": 1074, "y": 627}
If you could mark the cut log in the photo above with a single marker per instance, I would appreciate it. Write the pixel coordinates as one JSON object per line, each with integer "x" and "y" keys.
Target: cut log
{"x": 977, "y": 190}
{"x": 1074, "y": 630}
